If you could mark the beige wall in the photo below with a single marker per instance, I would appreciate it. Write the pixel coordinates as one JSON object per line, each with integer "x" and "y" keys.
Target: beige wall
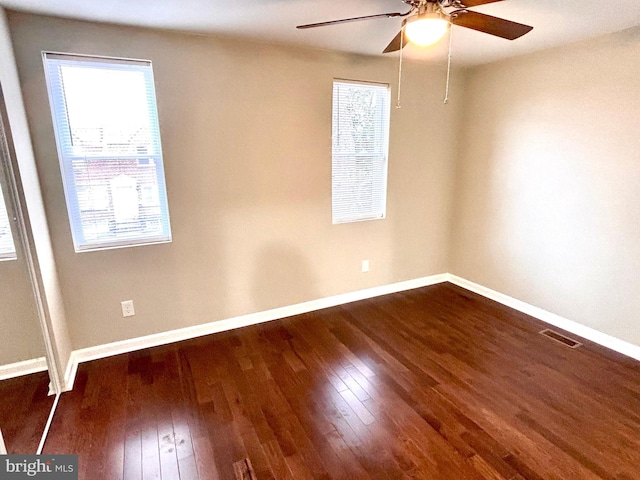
{"x": 545, "y": 182}
{"x": 548, "y": 196}
{"x": 246, "y": 131}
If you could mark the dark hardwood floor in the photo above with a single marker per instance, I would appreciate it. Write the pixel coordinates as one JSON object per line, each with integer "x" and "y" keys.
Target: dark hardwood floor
{"x": 25, "y": 405}
{"x": 434, "y": 383}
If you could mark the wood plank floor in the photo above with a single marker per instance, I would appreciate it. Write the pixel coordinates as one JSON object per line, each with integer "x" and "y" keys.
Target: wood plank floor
{"x": 24, "y": 409}
{"x": 433, "y": 383}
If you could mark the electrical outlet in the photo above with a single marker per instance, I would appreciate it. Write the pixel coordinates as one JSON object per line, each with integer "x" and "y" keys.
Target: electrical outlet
{"x": 365, "y": 266}
{"x": 127, "y": 308}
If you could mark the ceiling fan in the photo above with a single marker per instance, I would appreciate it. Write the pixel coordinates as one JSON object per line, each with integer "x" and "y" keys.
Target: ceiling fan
{"x": 428, "y": 20}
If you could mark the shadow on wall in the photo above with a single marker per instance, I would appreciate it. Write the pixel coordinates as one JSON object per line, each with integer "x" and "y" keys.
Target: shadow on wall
{"x": 283, "y": 276}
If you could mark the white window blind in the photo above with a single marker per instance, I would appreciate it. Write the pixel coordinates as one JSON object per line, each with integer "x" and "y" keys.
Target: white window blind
{"x": 7, "y": 247}
{"x": 360, "y": 145}
{"x": 106, "y": 125}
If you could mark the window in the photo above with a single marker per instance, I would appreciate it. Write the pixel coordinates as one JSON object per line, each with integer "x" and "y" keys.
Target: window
{"x": 360, "y": 145}
{"x": 7, "y": 247}
{"x": 106, "y": 127}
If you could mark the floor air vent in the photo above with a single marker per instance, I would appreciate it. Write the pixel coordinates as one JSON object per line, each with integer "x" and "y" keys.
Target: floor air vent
{"x": 558, "y": 337}
{"x": 244, "y": 470}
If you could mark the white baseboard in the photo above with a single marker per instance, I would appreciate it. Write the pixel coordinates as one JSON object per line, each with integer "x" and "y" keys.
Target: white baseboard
{"x": 25, "y": 367}
{"x": 130, "y": 345}
{"x": 576, "y": 328}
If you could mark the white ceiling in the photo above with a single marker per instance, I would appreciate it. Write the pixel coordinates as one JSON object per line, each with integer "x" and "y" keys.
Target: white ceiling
{"x": 555, "y": 22}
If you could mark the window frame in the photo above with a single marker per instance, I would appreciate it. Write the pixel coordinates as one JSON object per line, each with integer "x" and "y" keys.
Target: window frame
{"x": 382, "y": 151}
{"x": 4, "y": 200}
{"x": 66, "y": 158}
{"x": 8, "y": 207}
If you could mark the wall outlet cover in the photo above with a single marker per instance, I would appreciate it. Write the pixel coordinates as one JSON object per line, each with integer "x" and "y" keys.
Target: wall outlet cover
{"x": 127, "y": 308}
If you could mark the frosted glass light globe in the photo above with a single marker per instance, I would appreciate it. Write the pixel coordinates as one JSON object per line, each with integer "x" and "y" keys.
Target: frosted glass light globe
{"x": 426, "y": 29}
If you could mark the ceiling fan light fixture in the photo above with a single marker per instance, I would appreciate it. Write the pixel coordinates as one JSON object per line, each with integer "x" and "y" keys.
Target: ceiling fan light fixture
{"x": 426, "y": 29}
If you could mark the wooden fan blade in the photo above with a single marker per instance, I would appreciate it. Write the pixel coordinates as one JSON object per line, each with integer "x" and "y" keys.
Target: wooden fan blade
{"x": 474, "y": 3}
{"x": 488, "y": 24}
{"x": 394, "y": 46}
{"x": 352, "y": 19}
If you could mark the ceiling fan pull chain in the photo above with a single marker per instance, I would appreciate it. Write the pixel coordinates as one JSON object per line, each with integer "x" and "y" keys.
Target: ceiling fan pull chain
{"x": 400, "y": 67}
{"x": 446, "y": 93}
